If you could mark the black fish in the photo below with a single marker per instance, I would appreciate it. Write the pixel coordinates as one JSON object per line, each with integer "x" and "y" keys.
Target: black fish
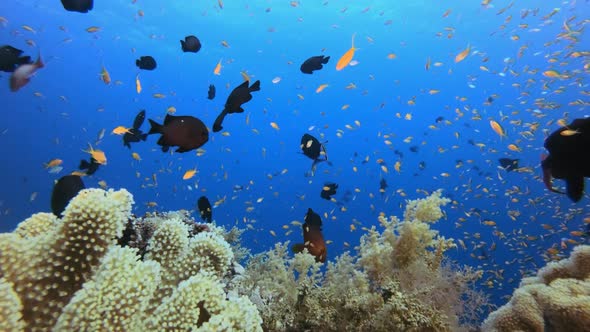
{"x": 211, "y": 92}
{"x": 382, "y": 186}
{"x": 66, "y": 188}
{"x": 190, "y": 44}
{"x": 146, "y": 62}
{"x": 10, "y": 58}
{"x": 328, "y": 190}
{"x": 135, "y": 134}
{"x": 569, "y": 158}
{"x": 422, "y": 165}
{"x": 414, "y": 148}
{"x": 239, "y": 96}
{"x": 205, "y": 209}
{"x": 185, "y": 132}
{"x": 508, "y": 164}
{"x": 90, "y": 167}
{"x": 81, "y": 6}
{"x": 313, "y": 149}
{"x": 313, "y": 239}
{"x": 439, "y": 119}
{"x": 314, "y": 63}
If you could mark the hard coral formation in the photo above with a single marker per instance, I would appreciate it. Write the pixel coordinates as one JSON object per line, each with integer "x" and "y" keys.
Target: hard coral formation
{"x": 396, "y": 282}
{"x": 556, "y": 299}
{"x": 72, "y": 274}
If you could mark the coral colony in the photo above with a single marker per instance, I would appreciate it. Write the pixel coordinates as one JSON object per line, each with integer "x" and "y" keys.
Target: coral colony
{"x": 99, "y": 268}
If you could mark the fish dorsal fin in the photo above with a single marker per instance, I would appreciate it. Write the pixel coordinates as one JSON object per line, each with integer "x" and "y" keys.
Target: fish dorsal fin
{"x": 168, "y": 118}
{"x": 244, "y": 85}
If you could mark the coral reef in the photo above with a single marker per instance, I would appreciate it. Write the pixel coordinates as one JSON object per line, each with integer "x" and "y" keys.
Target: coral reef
{"x": 396, "y": 282}
{"x": 100, "y": 269}
{"x": 556, "y": 299}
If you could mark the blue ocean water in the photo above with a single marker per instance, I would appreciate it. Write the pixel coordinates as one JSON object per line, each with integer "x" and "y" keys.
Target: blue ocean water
{"x": 374, "y": 111}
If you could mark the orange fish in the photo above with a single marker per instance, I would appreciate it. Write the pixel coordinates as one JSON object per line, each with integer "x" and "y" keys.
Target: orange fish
{"x": 312, "y": 237}
{"x": 105, "y": 76}
{"x": 321, "y": 88}
{"x": 217, "y": 70}
{"x": 461, "y": 56}
{"x": 121, "y": 130}
{"x": 97, "y": 155}
{"x": 53, "y": 163}
{"x": 137, "y": 84}
{"x": 189, "y": 174}
{"x": 347, "y": 57}
{"x": 497, "y": 128}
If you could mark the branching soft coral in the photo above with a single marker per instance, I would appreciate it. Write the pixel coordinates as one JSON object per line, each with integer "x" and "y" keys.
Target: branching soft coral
{"x": 396, "y": 282}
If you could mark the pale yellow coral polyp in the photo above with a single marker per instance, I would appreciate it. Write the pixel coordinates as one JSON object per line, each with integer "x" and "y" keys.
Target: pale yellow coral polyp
{"x": 116, "y": 297}
{"x": 10, "y": 308}
{"x": 37, "y": 224}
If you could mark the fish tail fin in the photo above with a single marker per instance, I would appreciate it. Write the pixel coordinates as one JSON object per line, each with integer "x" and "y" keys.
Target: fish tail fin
{"x": 298, "y": 247}
{"x": 156, "y": 128}
{"x": 255, "y": 86}
{"x": 325, "y": 59}
{"x": 39, "y": 63}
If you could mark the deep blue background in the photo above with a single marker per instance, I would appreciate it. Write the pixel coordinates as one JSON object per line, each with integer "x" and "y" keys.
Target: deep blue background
{"x": 272, "y": 38}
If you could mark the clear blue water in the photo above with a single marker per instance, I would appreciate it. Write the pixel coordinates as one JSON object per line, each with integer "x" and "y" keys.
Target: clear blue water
{"x": 269, "y": 39}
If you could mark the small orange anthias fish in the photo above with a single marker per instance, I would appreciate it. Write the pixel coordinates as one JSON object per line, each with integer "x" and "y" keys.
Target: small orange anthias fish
{"x": 347, "y": 57}
{"x": 312, "y": 237}
{"x": 22, "y": 74}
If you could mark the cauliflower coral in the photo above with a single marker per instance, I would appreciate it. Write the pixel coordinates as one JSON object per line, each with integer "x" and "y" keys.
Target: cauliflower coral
{"x": 79, "y": 273}
{"x": 556, "y": 299}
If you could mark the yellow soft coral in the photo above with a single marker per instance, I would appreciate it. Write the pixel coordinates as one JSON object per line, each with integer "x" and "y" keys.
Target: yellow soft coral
{"x": 557, "y": 298}
{"x": 396, "y": 282}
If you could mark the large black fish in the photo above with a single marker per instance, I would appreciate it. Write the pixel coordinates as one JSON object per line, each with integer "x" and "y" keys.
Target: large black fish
{"x": 185, "y": 132}
{"x": 66, "y": 188}
{"x": 135, "y": 134}
{"x": 569, "y": 158}
{"x": 190, "y": 44}
{"x": 239, "y": 96}
{"x": 328, "y": 190}
{"x": 314, "y": 63}
{"x": 508, "y": 164}
{"x": 81, "y": 6}
{"x": 205, "y": 209}
{"x": 211, "y": 92}
{"x": 90, "y": 166}
{"x": 313, "y": 239}
{"x": 10, "y": 58}
{"x": 146, "y": 62}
